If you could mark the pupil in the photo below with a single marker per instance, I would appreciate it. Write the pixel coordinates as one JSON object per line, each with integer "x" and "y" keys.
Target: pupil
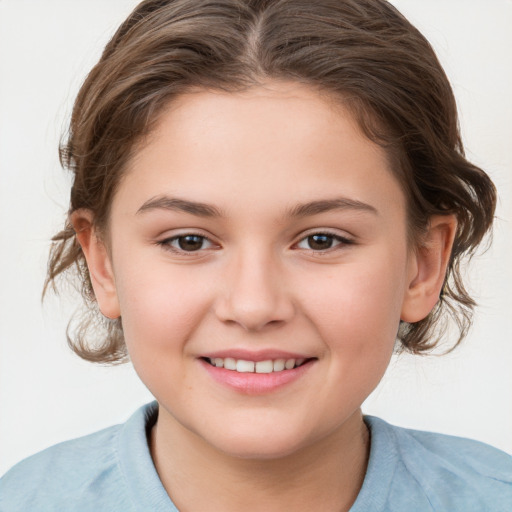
{"x": 190, "y": 242}
{"x": 319, "y": 242}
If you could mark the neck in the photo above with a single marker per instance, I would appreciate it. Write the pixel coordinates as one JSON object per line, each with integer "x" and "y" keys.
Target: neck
{"x": 324, "y": 476}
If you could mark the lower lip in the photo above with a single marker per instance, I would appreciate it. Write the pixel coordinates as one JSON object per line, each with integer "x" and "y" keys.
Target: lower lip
{"x": 256, "y": 383}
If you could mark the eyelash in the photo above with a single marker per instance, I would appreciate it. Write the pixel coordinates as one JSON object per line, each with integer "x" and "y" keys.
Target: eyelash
{"x": 166, "y": 244}
{"x": 342, "y": 241}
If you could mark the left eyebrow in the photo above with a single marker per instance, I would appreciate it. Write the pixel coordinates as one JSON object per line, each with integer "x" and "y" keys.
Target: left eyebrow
{"x": 326, "y": 205}
{"x": 180, "y": 205}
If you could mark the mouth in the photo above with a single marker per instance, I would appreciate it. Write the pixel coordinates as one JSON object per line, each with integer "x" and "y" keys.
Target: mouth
{"x": 257, "y": 372}
{"x": 247, "y": 366}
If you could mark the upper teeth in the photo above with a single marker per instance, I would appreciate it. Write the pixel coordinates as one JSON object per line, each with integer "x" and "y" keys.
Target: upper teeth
{"x": 243, "y": 366}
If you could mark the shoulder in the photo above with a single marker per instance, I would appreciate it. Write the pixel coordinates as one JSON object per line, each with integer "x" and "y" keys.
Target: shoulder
{"x": 81, "y": 474}
{"x": 447, "y": 473}
{"x": 57, "y": 476}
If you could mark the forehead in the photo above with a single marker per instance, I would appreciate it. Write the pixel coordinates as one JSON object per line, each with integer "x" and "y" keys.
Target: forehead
{"x": 281, "y": 140}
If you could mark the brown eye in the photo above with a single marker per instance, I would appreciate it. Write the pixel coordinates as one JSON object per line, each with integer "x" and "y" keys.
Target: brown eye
{"x": 320, "y": 242}
{"x": 323, "y": 242}
{"x": 186, "y": 243}
{"x": 190, "y": 242}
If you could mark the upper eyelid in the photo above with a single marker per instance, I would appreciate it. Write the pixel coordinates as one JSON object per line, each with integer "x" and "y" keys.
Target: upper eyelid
{"x": 191, "y": 232}
{"x": 325, "y": 231}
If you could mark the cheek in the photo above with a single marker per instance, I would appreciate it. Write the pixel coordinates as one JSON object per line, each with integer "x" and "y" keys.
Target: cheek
{"x": 161, "y": 310}
{"x": 356, "y": 309}
{"x": 356, "y": 314}
{"x": 363, "y": 299}
{"x": 161, "y": 307}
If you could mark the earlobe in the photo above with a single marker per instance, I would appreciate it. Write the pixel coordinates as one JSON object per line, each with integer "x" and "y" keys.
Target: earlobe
{"x": 98, "y": 263}
{"x": 429, "y": 263}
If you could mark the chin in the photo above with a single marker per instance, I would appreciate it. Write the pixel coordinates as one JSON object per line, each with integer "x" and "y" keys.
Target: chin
{"x": 262, "y": 445}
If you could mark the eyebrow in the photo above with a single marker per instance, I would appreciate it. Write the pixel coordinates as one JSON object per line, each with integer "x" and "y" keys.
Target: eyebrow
{"x": 180, "y": 205}
{"x": 300, "y": 210}
{"x": 326, "y": 205}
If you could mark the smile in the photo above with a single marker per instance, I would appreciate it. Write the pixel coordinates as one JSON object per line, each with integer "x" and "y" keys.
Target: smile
{"x": 244, "y": 366}
{"x": 256, "y": 374}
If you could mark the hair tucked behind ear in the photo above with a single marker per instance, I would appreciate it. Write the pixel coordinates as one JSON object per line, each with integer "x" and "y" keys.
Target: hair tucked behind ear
{"x": 362, "y": 53}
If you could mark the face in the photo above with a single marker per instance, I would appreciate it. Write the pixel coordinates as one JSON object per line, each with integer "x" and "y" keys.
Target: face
{"x": 253, "y": 231}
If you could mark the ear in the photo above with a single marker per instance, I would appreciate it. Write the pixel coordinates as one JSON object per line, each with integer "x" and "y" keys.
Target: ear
{"x": 98, "y": 262}
{"x": 428, "y": 268}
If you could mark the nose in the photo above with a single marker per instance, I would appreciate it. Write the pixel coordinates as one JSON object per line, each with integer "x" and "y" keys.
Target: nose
{"x": 254, "y": 293}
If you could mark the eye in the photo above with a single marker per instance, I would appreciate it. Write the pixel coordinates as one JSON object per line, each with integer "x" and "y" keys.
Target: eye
{"x": 186, "y": 243}
{"x": 322, "y": 241}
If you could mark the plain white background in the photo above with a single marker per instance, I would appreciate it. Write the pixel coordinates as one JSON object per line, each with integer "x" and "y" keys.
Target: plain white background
{"x": 47, "y": 394}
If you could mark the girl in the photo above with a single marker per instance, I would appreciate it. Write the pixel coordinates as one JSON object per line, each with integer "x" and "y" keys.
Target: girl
{"x": 269, "y": 197}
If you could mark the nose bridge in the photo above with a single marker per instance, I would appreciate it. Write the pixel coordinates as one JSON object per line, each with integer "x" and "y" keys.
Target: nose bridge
{"x": 254, "y": 293}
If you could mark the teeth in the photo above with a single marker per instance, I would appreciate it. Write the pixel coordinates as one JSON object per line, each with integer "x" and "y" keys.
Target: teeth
{"x": 229, "y": 363}
{"x": 268, "y": 366}
{"x": 279, "y": 365}
{"x": 289, "y": 364}
{"x": 264, "y": 367}
{"x": 244, "y": 366}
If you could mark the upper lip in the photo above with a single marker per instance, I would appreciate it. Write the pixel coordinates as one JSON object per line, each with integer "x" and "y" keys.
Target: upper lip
{"x": 259, "y": 355}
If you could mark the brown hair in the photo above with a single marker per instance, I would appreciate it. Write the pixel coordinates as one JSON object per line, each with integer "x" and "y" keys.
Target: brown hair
{"x": 364, "y": 53}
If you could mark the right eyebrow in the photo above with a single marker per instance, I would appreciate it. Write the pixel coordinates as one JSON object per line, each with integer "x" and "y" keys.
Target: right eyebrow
{"x": 180, "y": 205}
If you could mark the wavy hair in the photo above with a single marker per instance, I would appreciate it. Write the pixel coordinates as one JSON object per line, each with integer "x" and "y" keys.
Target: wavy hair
{"x": 363, "y": 53}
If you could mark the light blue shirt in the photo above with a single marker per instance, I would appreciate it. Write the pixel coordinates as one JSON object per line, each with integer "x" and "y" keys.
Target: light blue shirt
{"x": 112, "y": 470}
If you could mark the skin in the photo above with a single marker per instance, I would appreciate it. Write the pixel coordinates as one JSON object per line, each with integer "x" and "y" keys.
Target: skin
{"x": 258, "y": 284}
